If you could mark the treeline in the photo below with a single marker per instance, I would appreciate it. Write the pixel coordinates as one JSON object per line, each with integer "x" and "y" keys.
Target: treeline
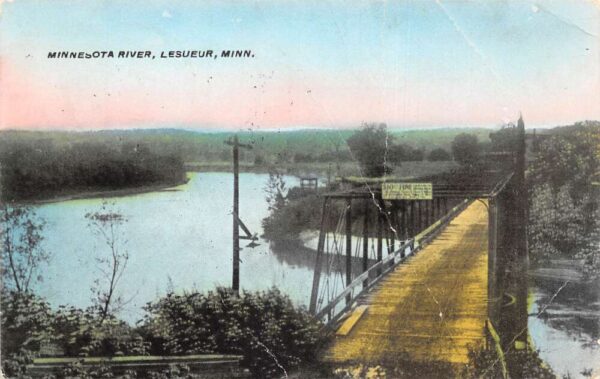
{"x": 269, "y": 147}
{"x": 396, "y": 154}
{"x": 564, "y": 183}
{"x": 42, "y": 168}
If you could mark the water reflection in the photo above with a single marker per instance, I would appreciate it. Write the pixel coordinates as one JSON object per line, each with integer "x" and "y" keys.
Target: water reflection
{"x": 564, "y": 324}
{"x": 297, "y": 255}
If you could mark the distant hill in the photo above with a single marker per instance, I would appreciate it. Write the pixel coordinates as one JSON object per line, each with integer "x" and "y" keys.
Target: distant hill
{"x": 192, "y": 144}
{"x": 272, "y": 145}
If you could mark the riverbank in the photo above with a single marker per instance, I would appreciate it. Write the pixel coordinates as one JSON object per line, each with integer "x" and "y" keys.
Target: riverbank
{"x": 94, "y": 194}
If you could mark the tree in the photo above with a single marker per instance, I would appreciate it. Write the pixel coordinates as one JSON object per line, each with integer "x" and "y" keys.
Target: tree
{"x": 439, "y": 154}
{"x": 259, "y": 159}
{"x": 370, "y": 146}
{"x": 564, "y": 216}
{"x": 106, "y": 225}
{"x": 417, "y": 155}
{"x": 276, "y": 191}
{"x": 506, "y": 139}
{"x": 465, "y": 149}
{"x": 22, "y": 250}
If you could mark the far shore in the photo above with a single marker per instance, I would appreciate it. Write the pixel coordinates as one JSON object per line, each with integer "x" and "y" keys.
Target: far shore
{"x": 322, "y": 170}
{"x": 94, "y": 194}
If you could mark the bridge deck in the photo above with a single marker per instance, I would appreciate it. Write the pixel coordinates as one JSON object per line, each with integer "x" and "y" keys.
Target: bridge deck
{"x": 433, "y": 306}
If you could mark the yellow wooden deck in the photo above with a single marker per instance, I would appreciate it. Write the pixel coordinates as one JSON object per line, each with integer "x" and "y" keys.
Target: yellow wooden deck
{"x": 432, "y": 306}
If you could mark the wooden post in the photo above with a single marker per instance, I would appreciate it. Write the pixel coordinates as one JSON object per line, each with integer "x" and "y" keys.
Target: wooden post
{"x": 235, "y": 285}
{"x": 236, "y": 211}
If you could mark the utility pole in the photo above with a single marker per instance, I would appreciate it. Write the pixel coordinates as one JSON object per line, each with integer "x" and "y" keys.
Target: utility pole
{"x": 235, "y": 286}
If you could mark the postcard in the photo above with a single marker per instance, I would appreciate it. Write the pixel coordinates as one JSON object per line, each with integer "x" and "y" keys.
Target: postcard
{"x": 300, "y": 189}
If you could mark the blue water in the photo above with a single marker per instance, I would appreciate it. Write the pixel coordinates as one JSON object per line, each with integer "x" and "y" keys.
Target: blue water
{"x": 567, "y": 332}
{"x": 183, "y": 234}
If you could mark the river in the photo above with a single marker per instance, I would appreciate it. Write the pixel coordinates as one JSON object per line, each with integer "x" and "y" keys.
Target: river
{"x": 564, "y": 324}
{"x": 179, "y": 237}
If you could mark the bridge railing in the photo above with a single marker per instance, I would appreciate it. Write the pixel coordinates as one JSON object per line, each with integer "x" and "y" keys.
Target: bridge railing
{"x": 363, "y": 283}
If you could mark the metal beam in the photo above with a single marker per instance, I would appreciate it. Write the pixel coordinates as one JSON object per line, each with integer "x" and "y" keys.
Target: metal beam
{"x": 318, "y": 263}
{"x": 348, "y": 241}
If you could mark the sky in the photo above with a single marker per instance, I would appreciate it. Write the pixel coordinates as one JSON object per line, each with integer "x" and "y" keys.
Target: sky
{"x": 334, "y": 64}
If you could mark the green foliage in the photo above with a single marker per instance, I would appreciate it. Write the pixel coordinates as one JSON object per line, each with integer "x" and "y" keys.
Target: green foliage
{"x": 300, "y": 212}
{"x": 520, "y": 364}
{"x": 80, "y": 333}
{"x": 26, "y": 321}
{"x": 15, "y": 365}
{"x": 22, "y": 250}
{"x": 506, "y": 139}
{"x": 34, "y": 169}
{"x": 264, "y": 327}
{"x": 404, "y": 153}
{"x": 291, "y": 211}
{"x": 555, "y": 223}
{"x": 401, "y": 365}
{"x": 369, "y": 146}
{"x": 439, "y": 154}
{"x": 194, "y": 146}
{"x": 570, "y": 157}
{"x": 465, "y": 149}
{"x": 78, "y": 370}
{"x": 564, "y": 216}
{"x": 276, "y": 191}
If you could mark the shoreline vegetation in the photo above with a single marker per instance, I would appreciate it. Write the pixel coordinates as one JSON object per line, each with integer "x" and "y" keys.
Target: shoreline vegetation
{"x": 408, "y": 171}
{"x": 215, "y": 321}
{"x": 108, "y": 193}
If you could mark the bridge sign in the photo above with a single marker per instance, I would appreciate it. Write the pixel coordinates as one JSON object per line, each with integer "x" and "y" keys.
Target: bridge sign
{"x": 407, "y": 191}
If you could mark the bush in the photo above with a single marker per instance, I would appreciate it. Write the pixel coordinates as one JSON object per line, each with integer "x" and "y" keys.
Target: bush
{"x": 297, "y": 215}
{"x": 520, "y": 364}
{"x": 272, "y": 335}
{"x": 439, "y": 154}
{"x": 80, "y": 333}
{"x": 26, "y": 320}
